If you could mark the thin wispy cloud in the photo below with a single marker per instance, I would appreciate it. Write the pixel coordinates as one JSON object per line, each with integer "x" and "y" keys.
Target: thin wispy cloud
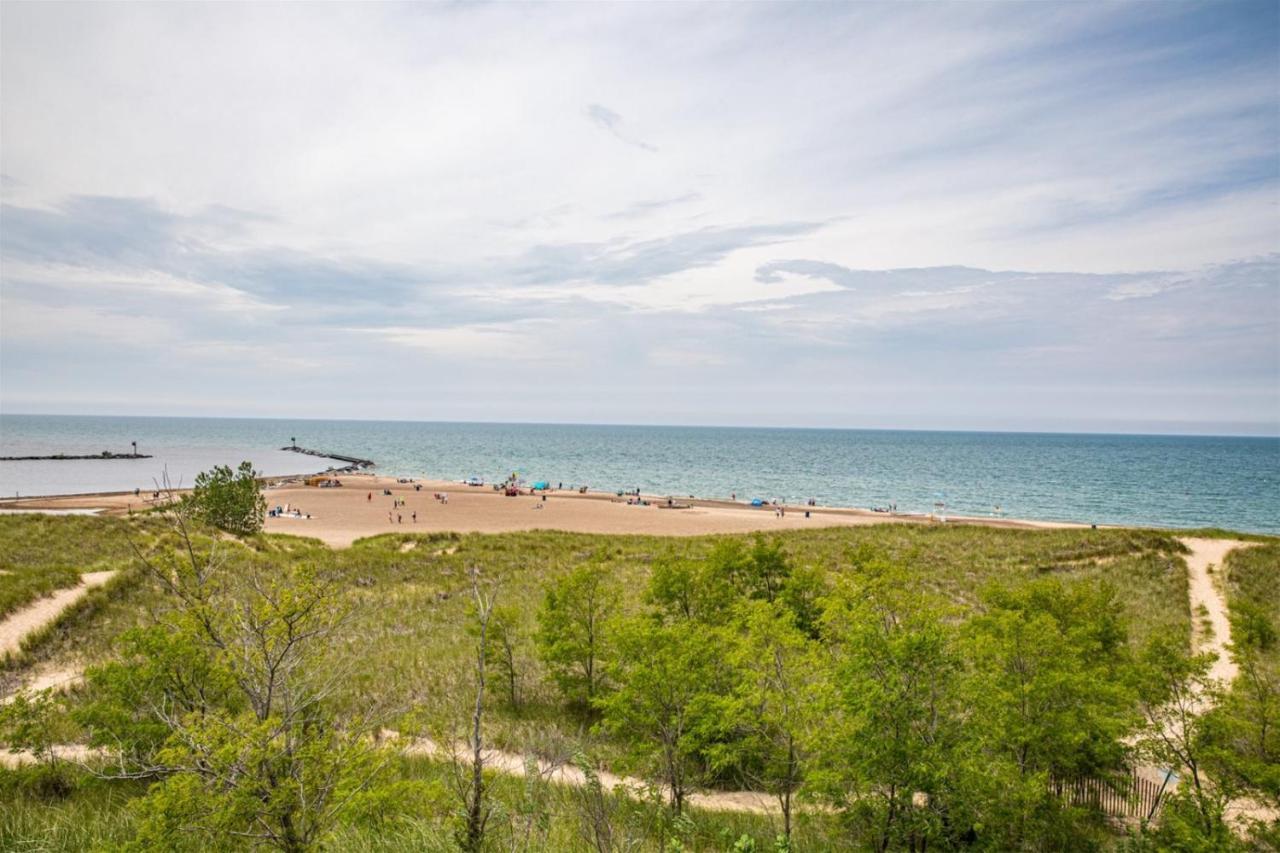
{"x": 610, "y": 121}
{"x": 639, "y": 209}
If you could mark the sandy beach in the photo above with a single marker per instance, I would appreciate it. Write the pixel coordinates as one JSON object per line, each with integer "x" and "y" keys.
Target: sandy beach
{"x": 339, "y": 516}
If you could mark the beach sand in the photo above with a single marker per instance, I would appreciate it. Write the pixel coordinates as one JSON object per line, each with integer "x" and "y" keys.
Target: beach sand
{"x": 339, "y": 516}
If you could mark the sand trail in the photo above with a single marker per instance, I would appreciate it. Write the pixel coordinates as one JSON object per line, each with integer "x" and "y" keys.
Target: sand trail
{"x": 1205, "y": 559}
{"x": 44, "y": 611}
{"x": 559, "y": 773}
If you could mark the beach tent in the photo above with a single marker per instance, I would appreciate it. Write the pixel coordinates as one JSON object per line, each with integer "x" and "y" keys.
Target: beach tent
{"x": 757, "y": 502}
{"x": 541, "y": 486}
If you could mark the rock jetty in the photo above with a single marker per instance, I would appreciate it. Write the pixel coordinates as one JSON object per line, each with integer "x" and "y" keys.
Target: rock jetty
{"x": 106, "y": 454}
{"x": 353, "y": 463}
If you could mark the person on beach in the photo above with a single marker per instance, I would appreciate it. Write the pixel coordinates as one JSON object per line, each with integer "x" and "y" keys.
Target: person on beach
{"x": 415, "y": 516}
{"x": 389, "y": 516}
{"x": 371, "y": 497}
{"x": 399, "y": 518}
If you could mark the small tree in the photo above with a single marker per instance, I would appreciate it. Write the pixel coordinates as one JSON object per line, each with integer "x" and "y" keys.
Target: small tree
{"x": 229, "y": 500}
{"x": 226, "y": 702}
{"x": 36, "y": 723}
{"x": 671, "y": 701}
{"x": 503, "y": 641}
{"x": 777, "y": 671}
{"x": 571, "y": 630}
{"x": 469, "y": 780}
{"x": 884, "y": 735}
{"x": 1176, "y": 690}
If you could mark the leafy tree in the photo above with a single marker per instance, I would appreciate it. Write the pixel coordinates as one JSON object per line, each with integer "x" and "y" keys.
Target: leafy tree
{"x": 776, "y": 673}
{"x": 802, "y": 593}
{"x": 36, "y": 723}
{"x": 1175, "y": 690}
{"x": 502, "y": 650}
{"x": 670, "y": 701}
{"x": 756, "y": 572}
{"x": 1242, "y": 732}
{"x": 572, "y": 630}
{"x": 229, "y": 500}
{"x": 1046, "y": 686}
{"x": 884, "y": 742}
{"x": 691, "y": 590}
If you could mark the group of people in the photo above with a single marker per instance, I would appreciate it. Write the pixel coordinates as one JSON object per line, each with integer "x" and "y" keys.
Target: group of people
{"x": 285, "y": 511}
{"x": 394, "y": 516}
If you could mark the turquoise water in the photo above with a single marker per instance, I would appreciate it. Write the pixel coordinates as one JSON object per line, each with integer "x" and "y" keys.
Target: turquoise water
{"x": 1174, "y": 481}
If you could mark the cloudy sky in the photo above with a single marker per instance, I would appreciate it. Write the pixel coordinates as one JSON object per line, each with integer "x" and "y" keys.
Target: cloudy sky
{"x": 1012, "y": 216}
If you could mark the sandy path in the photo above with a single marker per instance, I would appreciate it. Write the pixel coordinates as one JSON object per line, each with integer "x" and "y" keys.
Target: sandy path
{"x": 508, "y": 763}
{"x": 43, "y": 611}
{"x": 514, "y": 764}
{"x": 1206, "y": 554}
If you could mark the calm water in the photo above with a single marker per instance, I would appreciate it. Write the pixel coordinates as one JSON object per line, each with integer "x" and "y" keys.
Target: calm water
{"x": 1174, "y": 481}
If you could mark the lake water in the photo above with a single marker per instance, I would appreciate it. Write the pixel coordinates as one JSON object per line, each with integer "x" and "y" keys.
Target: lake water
{"x": 1173, "y": 481}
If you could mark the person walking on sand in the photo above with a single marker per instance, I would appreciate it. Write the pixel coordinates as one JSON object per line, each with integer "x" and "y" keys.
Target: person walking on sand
{"x": 399, "y": 518}
{"x": 371, "y": 497}
{"x": 415, "y": 516}
{"x": 388, "y": 516}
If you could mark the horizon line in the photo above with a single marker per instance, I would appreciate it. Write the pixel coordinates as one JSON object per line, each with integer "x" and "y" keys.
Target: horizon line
{"x": 995, "y": 431}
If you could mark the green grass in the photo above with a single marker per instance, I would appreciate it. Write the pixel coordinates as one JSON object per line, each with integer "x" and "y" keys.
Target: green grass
{"x": 93, "y": 814}
{"x": 406, "y": 644}
{"x": 1253, "y": 576}
{"x": 42, "y": 554}
{"x": 407, "y": 641}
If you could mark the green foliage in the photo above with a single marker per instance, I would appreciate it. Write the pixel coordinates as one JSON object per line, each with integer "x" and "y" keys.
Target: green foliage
{"x": 777, "y": 678}
{"x": 1048, "y": 687}
{"x": 669, "y": 702}
{"x": 885, "y": 738}
{"x": 34, "y": 723}
{"x": 573, "y": 630}
{"x": 730, "y": 661}
{"x": 224, "y": 700}
{"x": 1239, "y": 740}
{"x": 228, "y": 500}
{"x": 504, "y": 652}
{"x": 40, "y": 553}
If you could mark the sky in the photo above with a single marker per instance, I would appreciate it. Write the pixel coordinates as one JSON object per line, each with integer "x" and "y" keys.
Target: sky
{"x": 1022, "y": 216}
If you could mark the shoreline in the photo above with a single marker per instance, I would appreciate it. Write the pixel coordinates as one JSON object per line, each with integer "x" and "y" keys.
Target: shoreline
{"x": 340, "y": 516}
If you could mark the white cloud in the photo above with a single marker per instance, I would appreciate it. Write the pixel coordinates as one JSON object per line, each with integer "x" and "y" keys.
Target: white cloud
{"x": 641, "y": 194}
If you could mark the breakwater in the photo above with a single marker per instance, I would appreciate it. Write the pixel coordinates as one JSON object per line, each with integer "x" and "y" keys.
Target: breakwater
{"x": 106, "y": 454}
{"x": 354, "y": 463}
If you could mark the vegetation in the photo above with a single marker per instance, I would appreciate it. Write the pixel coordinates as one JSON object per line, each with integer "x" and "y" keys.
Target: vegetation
{"x": 42, "y": 553}
{"x": 889, "y": 687}
{"x": 228, "y": 500}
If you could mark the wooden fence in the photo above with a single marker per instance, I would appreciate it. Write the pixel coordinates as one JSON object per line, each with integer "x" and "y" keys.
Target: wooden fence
{"x": 1118, "y": 796}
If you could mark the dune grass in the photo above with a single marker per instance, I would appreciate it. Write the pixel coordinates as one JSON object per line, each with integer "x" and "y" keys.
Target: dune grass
{"x": 86, "y": 812}
{"x": 40, "y": 554}
{"x": 407, "y": 648}
{"x": 407, "y": 640}
{"x": 1253, "y": 581}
